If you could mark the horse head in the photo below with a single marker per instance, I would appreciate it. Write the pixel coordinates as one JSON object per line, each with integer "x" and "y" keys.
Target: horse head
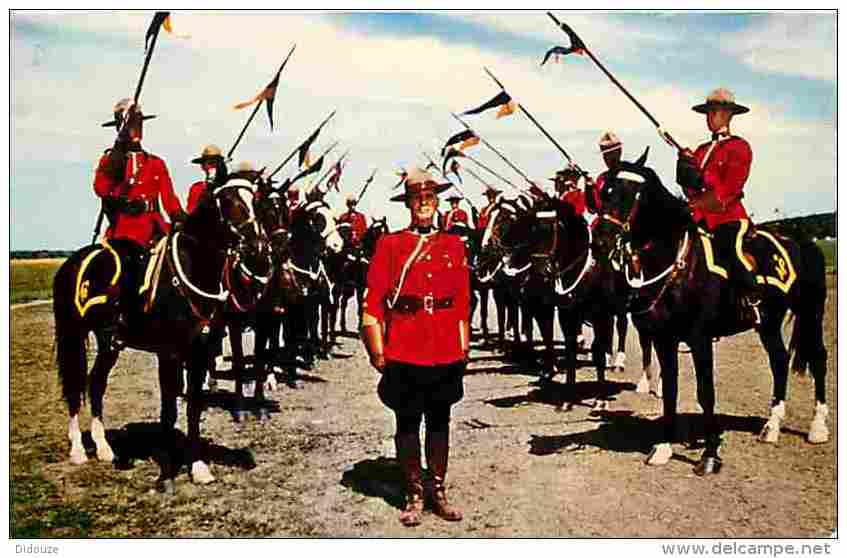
{"x": 636, "y": 199}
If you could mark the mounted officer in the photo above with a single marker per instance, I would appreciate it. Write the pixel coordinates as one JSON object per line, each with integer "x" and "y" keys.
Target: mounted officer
{"x": 490, "y": 194}
{"x": 133, "y": 184}
{"x": 566, "y": 183}
{"x": 456, "y": 216}
{"x": 415, "y": 329}
{"x": 713, "y": 177}
{"x": 213, "y": 165}
{"x": 357, "y": 220}
{"x": 612, "y": 150}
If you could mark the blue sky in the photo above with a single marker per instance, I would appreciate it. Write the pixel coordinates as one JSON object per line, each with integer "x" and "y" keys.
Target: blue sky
{"x": 394, "y": 78}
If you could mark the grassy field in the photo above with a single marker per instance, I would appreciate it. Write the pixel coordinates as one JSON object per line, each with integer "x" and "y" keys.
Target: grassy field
{"x": 32, "y": 279}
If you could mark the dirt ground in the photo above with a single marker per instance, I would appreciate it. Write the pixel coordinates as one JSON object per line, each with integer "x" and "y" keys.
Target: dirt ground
{"x": 323, "y": 465}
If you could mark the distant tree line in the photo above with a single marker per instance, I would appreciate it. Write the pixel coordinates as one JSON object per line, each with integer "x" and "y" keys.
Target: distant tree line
{"x": 812, "y": 227}
{"x": 38, "y": 254}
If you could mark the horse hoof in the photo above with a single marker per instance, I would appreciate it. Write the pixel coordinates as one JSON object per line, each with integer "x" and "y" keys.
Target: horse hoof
{"x": 708, "y": 466}
{"x": 78, "y": 457}
{"x": 270, "y": 383}
{"x": 770, "y": 433}
{"x": 818, "y": 431}
{"x": 239, "y": 416}
{"x": 105, "y": 454}
{"x": 643, "y": 385}
{"x": 166, "y": 486}
{"x": 600, "y": 406}
{"x": 660, "y": 454}
{"x": 200, "y": 473}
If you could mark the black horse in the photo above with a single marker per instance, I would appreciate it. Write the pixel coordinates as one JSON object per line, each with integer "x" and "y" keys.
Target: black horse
{"x": 313, "y": 234}
{"x": 249, "y": 304}
{"x": 355, "y": 261}
{"x": 684, "y": 295}
{"x": 174, "y": 312}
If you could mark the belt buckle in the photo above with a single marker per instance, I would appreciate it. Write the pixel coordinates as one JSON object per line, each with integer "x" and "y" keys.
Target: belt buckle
{"x": 429, "y": 304}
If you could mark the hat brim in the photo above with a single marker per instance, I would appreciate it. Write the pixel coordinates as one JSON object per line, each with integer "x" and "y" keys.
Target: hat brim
{"x": 115, "y": 122}
{"x": 203, "y": 159}
{"x": 735, "y": 108}
{"x": 438, "y": 188}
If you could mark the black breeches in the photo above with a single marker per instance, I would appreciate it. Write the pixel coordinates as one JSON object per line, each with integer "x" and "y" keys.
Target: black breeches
{"x": 727, "y": 241}
{"x": 437, "y": 420}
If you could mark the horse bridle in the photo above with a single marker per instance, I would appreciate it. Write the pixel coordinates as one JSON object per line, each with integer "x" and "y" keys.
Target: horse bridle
{"x": 633, "y": 254}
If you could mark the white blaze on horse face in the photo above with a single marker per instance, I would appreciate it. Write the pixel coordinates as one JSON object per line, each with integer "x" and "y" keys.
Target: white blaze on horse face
{"x": 631, "y": 176}
{"x": 486, "y": 236}
{"x": 330, "y": 232}
{"x": 247, "y": 197}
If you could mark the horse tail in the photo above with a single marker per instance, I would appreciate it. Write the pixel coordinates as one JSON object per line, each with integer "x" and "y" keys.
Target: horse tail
{"x": 806, "y": 342}
{"x": 70, "y": 337}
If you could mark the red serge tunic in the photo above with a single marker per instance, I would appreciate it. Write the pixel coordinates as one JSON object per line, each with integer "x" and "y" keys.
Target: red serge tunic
{"x": 358, "y": 224}
{"x": 725, "y": 168}
{"x": 151, "y": 182}
{"x": 440, "y": 270}
{"x": 484, "y": 215}
{"x": 577, "y": 199}
{"x": 194, "y": 195}
{"x": 599, "y": 184}
{"x": 455, "y": 216}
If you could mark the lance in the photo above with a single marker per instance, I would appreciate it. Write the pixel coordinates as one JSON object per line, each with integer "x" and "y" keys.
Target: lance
{"x": 324, "y": 154}
{"x": 365, "y": 187}
{"x": 539, "y": 126}
{"x": 462, "y": 192}
{"x": 495, "y": 150}
{"x": 155, "y": 27}
{"x": 256, "y": 109}
{"x": 297, "y": 149}
{"x": 330, "y": 169}
{"x": 578, "y": 43}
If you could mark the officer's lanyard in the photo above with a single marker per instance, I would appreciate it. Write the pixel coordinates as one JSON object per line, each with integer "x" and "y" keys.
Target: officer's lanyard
{"x": 418, "y": 253}
{"x": 134, "y": 172}
{"x": 722, "y": 135}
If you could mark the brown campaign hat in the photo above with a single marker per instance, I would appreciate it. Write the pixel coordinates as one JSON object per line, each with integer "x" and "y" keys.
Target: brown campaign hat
{"x": 720, "y": 98}
{"x": 417, "y": 181}
{"x": 119, "y": 109}
{"x": 209, "y": 153}
{"x": 609, "y": 142}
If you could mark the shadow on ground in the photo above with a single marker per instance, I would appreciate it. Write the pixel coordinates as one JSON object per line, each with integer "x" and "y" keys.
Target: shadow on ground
{"x": 145, "y": 440}
{"x": 623, "y": 432}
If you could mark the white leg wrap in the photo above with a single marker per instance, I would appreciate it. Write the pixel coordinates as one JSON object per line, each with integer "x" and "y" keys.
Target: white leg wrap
{"x": 656, "y": 386}
{"x": 770, "y": 432}
{"x": 270, "y": 383}
{"x": 620, "y": 360}
{"x": 98, "y": 433}
{"x": 249, "y": 389}
{"x": 75, "y": 436}
{"x": 608, "y": 360}
{"x": 818, "y": 431}
{"x": 643, "y": 384}
{"x": 200, "y": 473}
{"x": 660, "y": 455}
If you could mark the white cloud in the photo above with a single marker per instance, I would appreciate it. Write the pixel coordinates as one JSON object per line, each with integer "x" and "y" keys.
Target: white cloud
{"x": 393, "y": 97}
{"x": 794, "y": 44}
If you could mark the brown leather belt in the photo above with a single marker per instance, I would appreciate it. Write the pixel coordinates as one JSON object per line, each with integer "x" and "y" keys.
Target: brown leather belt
{"x": 412, "y": 304}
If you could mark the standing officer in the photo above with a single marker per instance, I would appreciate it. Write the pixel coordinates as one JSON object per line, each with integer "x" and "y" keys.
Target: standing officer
{"x": 415, "y": 329}
{"x": 212, "y": 164}
{"x": 713, "y": 177}
{"x": 132, "y": 183}
{"x": 357, "y": 220}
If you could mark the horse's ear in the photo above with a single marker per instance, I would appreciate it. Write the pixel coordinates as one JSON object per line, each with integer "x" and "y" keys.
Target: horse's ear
{"x": 643, "y": 159}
